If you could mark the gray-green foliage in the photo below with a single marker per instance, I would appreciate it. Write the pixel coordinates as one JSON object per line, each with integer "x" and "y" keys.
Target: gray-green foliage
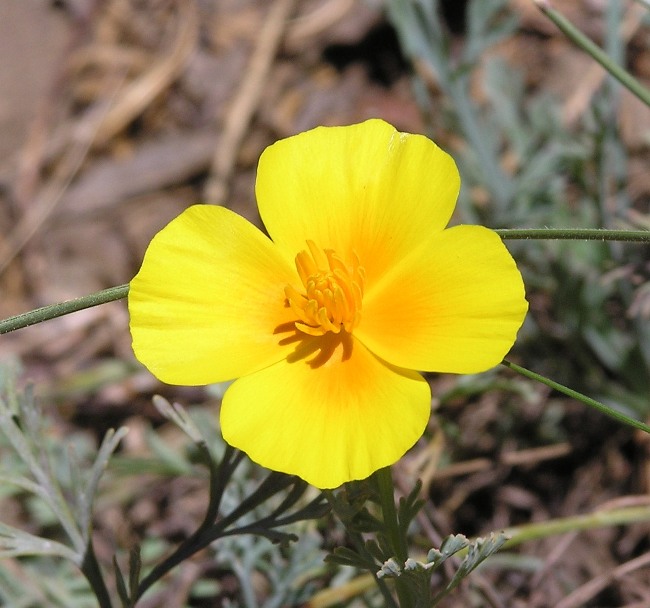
{"x": 41, "y": 582}
{"x": 255, "y": 515}
{"x": 248, "y": 518}
{"x": 597, "y": 337}
{"x": 286, "y": 573}
{"x": 285, "y": 569}
{"x": 418, "y": 575}
{"x": 419, "y": 584}
{"x": 59, "y": 484}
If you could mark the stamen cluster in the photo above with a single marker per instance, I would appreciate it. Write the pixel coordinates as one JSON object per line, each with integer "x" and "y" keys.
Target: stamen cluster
{"x": 332, "y": 295}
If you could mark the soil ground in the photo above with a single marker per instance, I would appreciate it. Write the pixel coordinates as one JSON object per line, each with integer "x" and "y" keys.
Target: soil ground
{"x": 117, "y": 114}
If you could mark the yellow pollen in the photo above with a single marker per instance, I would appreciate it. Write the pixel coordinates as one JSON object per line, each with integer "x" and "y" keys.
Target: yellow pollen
{"x": 331, "y": 294}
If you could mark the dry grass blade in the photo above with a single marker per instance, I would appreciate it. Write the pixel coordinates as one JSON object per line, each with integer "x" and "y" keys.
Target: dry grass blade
{"x": 585, "y": 593}
{"x": 47, "y": 200}
{"x": 246, "y": 101}
{"x": 324, "y": 16}
{"x": 153, "y": 165}
{"x": 144, "y": 89}
{"x": 101, "y": 124}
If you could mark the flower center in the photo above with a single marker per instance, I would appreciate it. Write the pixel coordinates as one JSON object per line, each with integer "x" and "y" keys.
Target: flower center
{"x": 331, "y": 295}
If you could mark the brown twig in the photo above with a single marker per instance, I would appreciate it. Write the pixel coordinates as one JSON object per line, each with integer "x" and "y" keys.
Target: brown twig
{"x": 520, "y": 458}
{"x": 46, "y": 201}
{"x": 583, "y": 594}
{"x": 143, "y": 90}
{"x": 324, "y": 16}
{"x": 33, "y": 153}
{"x": 246, "y": 100}
{"x": 100, "y": 124}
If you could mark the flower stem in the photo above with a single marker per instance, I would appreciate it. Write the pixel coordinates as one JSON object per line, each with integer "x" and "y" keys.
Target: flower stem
{"x": 577, "y": 234}
{"x": 392, "y": 529}
{"x": 601, "y": 407}
{"x": 518, "y": 535}
{"x": 52, "y": 311}
{"x": 597, "y": 519}
{"x": 93, "y": 574}
{"x": 578, "y": 38}
{"x": 220, "y": 475}
{"x": 387, "y": 498}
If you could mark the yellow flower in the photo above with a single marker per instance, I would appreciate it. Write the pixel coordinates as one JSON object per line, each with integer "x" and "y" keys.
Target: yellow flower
{"x": 324, "y": 323}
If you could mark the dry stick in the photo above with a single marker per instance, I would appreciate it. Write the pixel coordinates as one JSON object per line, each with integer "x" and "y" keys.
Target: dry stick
{"x": 99, "y": 125}
{"x": 511, "y": 459}
{"x": 246, "y": 101}
{"x": 139, "y": 94}
{"x": 577, "y": 104}
{"x": 153, "y": 166}
{"x": 49, "y": 197}
{"x": 31, "y": 157}
{"x": 325, "y": 15}
{"x": 143, "y": 89}
{"x": 557, "y": 551}
{"x": 583, "y": 594}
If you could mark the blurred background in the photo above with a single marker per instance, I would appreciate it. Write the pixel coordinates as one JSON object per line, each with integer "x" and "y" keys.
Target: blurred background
{"x": 115, "y": 115}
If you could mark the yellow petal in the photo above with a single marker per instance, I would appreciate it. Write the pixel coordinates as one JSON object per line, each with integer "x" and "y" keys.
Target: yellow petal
{"x": 331, "y": 416}
{"x": 208, "y": 298}
{"x": 364, "y": 188}
{"x": 455, "y": 305}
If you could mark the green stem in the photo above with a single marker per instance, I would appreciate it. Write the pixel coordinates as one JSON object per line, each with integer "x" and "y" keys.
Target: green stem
{"x": 577, "y": 234}
{"x": 576, "y": 523}
{"x": 578, "y": 38}
{"x": 358, "y": 542}
{"x": 528, "y": 532}
{"x": 601, "y": 407}
{"x": 93, "y": 574}
{"x": 52, "y": 311}
{"x": 392, "y": 529}
{"x": 220, "y": 475}
{"x": 387, "y": 498}
{"x": 208, "y": 532}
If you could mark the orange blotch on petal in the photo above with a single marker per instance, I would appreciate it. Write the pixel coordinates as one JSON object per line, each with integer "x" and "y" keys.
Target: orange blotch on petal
{"x": 331, "y": 413}
{"x": 455, "y": 305}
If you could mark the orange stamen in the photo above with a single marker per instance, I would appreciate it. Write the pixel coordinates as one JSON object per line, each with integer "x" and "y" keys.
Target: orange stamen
{"x": 332, "y": 292}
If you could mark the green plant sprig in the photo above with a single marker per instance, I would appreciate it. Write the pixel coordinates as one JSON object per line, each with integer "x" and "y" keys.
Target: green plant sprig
{"x": 53, "y": 311}
{"x": 23, "y": 425}
{"x": 575, "y": 234}
{"x": 580, "y": 40}
{"x": 569, "y": 392}
{"x": 215, "y": 526}
{"x": 394, "y": 532}
{"x": 517, "y": 535}
{"x": 577, "y": 523}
